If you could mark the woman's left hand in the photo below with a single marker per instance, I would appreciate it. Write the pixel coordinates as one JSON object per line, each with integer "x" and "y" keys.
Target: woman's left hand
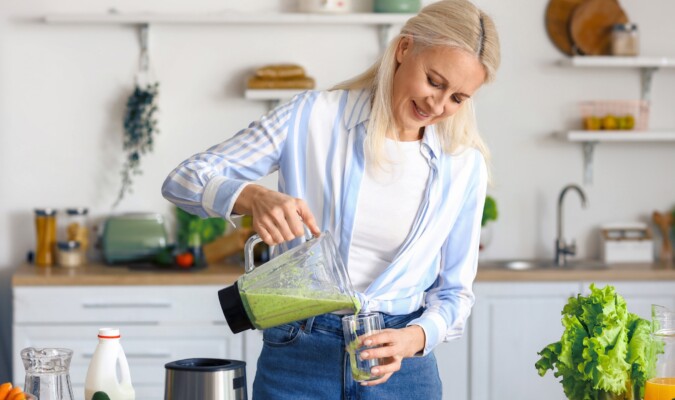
{"x": 396, "y": 344}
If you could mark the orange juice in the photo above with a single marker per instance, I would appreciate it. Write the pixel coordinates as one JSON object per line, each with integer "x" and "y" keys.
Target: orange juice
{"x": 660, "y": 389}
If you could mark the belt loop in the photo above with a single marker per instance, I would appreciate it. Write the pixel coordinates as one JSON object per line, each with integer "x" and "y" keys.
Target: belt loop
{"x": 308, "y": 325}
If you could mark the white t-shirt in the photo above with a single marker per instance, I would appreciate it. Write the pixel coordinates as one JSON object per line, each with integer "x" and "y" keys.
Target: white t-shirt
{"x": 389, "y": 200}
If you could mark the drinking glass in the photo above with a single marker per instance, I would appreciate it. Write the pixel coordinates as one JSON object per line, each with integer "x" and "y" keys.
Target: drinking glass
{"x": 356, "y": 329}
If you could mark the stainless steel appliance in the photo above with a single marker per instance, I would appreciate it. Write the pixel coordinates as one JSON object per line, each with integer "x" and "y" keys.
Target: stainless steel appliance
{"x": 205, "y": 379}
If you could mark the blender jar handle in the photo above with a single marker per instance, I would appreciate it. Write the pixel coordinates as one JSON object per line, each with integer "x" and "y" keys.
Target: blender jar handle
{"x": 249, "y": 262}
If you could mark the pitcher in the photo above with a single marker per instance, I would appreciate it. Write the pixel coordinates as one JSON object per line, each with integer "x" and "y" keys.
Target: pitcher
{"x": 662, "y": 386}
{"x": 303, "y": 282}
{"x": 48, "y": 373}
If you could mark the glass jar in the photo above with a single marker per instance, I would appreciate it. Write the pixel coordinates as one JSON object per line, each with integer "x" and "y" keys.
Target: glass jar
{"x": 45, "y": 232}
{"x": 69, "y": 254}
{"x": 625, "y": 40}
{"x": 76, "y": 227}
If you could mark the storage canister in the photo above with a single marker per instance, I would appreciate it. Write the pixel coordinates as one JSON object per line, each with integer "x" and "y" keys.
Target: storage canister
{"x": 625, "y": 40}
{"x": 45, "y": 232}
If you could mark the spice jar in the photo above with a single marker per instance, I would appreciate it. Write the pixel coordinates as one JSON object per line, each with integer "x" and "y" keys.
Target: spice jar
{"x": 625, "y": 40}
{"x": 45, "y": 229}
{"x": 76, "y": 227}
{"x": 69, "y": 254}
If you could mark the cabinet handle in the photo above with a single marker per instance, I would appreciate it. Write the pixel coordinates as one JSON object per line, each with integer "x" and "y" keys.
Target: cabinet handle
{"x": 135, "y": 355}
{"x": 126, "y": 305}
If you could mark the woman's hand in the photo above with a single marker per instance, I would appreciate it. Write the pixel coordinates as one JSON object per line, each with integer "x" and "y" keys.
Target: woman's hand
{"x": 397, "y": 344}
{"x": 277, "y": 217}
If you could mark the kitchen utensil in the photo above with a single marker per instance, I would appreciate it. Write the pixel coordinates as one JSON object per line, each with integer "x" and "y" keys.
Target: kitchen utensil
{"x": 48, "y": 373}
{"x": 664, "y": 222}
{"x": 205, "y": 379}
{"x": 133, "y": 237}
{"x": 558, "y": 15}
{"x": 308, "y": 280}
{"x": 662, "y": 385}
{"x": 591, "y": 25}
{"x": 355, "y": 329}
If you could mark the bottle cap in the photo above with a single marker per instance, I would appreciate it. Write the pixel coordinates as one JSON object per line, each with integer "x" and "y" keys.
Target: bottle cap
{"x": 108, "y": 333}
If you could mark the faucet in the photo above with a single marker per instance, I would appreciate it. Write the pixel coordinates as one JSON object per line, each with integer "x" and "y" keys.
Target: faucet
{"x": 562, "y": 249}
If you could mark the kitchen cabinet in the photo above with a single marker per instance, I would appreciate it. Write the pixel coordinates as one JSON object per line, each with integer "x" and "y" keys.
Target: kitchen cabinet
{"x": 158, "y": 324}
{"x": 510, "y": 323}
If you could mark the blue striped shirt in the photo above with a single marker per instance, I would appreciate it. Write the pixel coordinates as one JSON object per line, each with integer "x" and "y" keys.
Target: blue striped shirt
{"x": 316, "y": 143}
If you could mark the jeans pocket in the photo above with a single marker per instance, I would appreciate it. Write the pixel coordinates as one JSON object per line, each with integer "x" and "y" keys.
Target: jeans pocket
{"x": 282, "y": 335}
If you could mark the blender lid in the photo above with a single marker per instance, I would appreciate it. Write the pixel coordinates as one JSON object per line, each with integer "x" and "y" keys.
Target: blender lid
{"x": 233, "y": 308}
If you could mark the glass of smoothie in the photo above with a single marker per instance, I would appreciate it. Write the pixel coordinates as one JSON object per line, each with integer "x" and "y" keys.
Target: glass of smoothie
{"x": 356, "y": 329}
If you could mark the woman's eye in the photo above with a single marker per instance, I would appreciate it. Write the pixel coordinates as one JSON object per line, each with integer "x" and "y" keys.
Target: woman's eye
{"x": 433, "y": 83}
{"x": 456, "y": 99}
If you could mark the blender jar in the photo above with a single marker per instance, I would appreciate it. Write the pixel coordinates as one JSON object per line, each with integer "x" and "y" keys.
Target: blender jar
{"x": 306, "y": 281}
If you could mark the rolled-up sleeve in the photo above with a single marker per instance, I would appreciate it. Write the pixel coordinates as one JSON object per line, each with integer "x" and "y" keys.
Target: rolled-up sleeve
{"x": 208, "y": 183}
{"x": 449, "y": 300}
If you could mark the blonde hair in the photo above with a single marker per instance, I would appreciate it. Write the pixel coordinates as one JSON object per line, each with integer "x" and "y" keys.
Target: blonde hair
{"x": 451, "y": 23}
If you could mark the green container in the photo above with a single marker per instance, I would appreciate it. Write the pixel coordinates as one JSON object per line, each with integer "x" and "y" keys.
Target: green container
{"x": 397, "y": 6}
{"x": 133, "y": 237}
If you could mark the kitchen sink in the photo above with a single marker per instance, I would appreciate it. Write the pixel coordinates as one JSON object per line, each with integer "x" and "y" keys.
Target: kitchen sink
{"x": 517, "y": 264}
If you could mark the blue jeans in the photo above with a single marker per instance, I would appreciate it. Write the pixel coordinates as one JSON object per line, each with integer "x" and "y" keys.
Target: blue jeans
{"x": 307, "y": 360}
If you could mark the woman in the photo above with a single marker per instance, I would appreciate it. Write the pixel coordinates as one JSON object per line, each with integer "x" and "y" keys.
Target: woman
{"x": 392, "y": 165}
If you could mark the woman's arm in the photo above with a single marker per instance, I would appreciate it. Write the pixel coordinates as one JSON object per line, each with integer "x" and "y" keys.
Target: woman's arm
{"x": 217, "y": 182}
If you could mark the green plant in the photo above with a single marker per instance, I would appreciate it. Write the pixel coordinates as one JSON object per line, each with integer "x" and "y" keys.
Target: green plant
{"x": 194, "y": 231}
{"x": 140, "y": 129}
{"x": 489, "y": 210}
{"x": 604, "y": 350}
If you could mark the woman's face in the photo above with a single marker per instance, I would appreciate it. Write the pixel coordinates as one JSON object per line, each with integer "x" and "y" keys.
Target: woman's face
{"x": 431, "y": 85}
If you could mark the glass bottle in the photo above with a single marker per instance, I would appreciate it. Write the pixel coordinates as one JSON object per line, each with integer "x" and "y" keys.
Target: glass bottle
{"x": 662, "y": 385}
{"x": 625, "y": 40}
{"x": 48, "y": 373}
{"x": 76, "y": 227}
{"x": 45, "y": 229}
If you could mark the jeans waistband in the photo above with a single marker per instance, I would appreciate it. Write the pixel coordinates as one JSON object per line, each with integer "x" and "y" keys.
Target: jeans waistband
{"x": 332, "y": 323}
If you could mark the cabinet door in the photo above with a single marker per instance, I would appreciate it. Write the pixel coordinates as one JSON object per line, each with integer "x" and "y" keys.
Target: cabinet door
{"x": 453, "y": 367}
{"x": 510, "y": 323}
{"x": 640, "y": 296}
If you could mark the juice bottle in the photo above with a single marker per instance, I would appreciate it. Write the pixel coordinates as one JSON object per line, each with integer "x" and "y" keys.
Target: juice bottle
{"x": 662, "y": 386}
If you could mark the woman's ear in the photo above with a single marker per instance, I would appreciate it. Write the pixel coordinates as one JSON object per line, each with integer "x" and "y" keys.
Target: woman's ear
{"x": 404, "y": 46}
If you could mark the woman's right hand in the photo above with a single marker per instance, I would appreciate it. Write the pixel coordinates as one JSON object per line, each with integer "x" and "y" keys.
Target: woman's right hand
{"x": 277, "y": 217}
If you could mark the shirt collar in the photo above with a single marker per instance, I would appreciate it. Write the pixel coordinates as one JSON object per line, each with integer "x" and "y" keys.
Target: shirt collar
{"x": 357, "y": 111}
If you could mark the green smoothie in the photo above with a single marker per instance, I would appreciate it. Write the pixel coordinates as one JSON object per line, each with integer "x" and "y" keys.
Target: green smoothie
{"x": 358, "y": 374}
{"x": 272, "y": 307}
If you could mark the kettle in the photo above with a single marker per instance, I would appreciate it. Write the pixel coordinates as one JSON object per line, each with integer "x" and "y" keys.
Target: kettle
{"x": 205, "y": 379}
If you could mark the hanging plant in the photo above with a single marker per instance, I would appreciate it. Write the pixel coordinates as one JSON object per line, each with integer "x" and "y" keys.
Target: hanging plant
{"x": 140, "y": 129}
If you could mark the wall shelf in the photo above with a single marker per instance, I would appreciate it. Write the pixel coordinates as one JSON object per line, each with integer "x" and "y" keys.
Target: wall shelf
{"x": 647, "y": 66}
{"x": 272, "y": 96}
{"x": 115, "y": 18}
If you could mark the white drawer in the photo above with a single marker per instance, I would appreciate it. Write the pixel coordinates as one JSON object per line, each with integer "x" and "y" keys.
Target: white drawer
{"x": 143, "y": 392}
{"x": 102, "y": 305}
{"x": 147, "y": 349}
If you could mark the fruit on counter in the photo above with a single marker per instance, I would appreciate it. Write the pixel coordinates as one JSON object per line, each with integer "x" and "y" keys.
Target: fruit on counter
{"x": 7, "y": 392}
{"x": 100, "y": 396}
{"x": 609, "y": 122}
{"x": 185, "y": 260}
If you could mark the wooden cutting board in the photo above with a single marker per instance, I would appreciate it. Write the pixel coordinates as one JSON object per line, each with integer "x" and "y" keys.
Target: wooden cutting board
{"x": 591, "y": 25}
{"x": 558, "y": 15}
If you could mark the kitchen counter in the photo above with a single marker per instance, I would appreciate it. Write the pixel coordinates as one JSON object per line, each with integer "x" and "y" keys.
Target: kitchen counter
{"x": 225, "y": 274}
{"x": 100, "y": 274}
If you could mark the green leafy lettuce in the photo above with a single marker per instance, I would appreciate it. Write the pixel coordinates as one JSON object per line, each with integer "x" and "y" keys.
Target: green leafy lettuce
{"x": 604, "y": 348}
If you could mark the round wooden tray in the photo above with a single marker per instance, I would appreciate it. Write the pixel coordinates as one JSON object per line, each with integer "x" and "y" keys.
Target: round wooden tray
{"x": 591, "y": 25}
{"x": 558, "y": 15}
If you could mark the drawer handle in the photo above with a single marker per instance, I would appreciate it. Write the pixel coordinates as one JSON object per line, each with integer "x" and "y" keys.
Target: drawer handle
{"x": 126, "y": 305}
{"x": 135, "y": 355}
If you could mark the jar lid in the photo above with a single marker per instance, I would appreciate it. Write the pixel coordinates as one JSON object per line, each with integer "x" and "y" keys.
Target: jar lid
{"x": 45, "y": 212}
{"x": 624, "y": 27}
{"x": 77, "y": 211}
{"x": 69, "y": 245}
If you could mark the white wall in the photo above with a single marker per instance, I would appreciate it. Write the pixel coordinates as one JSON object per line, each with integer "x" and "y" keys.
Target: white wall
{"x": 63, "y": 90}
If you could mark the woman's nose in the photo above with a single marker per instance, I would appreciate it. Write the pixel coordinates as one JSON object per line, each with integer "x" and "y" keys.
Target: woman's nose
{"x": 436, "y": 104}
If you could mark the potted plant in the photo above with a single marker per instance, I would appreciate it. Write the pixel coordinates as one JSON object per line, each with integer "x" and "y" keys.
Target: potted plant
{"x": 489, "y": 214}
